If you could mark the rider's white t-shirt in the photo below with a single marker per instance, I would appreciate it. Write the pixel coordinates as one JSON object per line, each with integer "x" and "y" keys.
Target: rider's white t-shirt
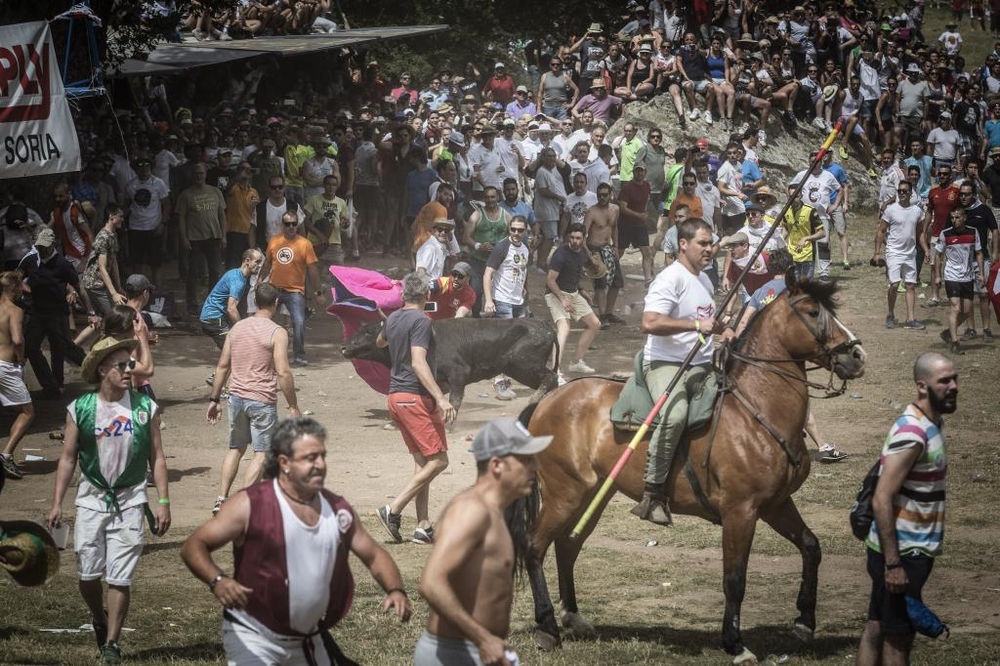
{"x": 680, "y": 295}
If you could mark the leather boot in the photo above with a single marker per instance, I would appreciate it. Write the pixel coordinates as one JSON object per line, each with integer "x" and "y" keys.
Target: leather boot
{"x": 653, "y": 506}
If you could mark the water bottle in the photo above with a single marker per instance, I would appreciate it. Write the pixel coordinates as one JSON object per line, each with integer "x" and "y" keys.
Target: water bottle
{"x": 923, "y": 618}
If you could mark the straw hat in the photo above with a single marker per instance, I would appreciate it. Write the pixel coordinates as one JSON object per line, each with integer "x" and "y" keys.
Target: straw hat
{"x": 765, "y": 197}
{"x": 28, "y": 552}
{"x": 98, "y": 353}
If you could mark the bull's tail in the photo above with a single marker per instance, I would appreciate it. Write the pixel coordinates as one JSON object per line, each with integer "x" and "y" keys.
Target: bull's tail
{"x": 521, "y": 515}
{"x": 555, "y": 364}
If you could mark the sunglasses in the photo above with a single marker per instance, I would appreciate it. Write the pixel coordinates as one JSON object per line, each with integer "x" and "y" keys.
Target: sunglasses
{"x": 289, "y": 224}
{"x": 517, "y": 231}
{"x": 125, "y": 365}
{"x": 655, "y": 136}
{"x": 442, "y": 230}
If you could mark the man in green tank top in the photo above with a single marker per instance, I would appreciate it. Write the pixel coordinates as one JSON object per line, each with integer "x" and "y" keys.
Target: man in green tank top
{"x": 486, "y": 227}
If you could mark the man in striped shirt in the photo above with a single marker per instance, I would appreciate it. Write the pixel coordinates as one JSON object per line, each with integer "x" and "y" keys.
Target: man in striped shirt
{"x": 908, "y": 506}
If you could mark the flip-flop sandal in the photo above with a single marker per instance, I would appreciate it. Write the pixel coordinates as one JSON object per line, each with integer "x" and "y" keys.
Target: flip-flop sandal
{"x": 57, "y": 434}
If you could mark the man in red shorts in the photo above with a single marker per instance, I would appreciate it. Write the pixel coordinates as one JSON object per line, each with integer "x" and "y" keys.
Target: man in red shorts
{"x": 416, "y": 404}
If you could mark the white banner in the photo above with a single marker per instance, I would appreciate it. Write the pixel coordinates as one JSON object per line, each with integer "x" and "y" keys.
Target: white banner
{"x": 37, "y": 135}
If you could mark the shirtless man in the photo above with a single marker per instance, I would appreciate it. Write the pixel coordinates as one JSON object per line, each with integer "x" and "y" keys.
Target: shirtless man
{"x": 468, "y": 581}
{"x": 13, "y": 392}
{"x": 601, "y": 223}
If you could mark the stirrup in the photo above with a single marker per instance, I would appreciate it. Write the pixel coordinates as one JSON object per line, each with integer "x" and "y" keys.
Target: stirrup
{"x": 653, "y": 507}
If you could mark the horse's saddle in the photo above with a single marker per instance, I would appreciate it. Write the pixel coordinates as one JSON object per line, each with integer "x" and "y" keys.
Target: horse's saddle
{"x": 635, "y": 402}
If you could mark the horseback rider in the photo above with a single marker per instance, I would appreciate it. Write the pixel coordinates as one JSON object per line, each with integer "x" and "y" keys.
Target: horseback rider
{"x": 680, "y": 308}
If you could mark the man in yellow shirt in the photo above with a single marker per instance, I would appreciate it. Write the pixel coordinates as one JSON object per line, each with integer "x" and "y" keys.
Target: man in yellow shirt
{"x": 241, "y": 200}
{"x": 802, "y": 227}
{"x": 290, "y": 259}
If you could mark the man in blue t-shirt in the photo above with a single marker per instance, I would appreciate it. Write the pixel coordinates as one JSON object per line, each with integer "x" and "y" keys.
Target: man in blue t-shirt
{"x": 838, "y": 219}
{"x": 221, "y": 309}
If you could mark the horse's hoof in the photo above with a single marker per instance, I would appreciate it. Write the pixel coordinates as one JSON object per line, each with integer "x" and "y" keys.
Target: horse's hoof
{"x": 745, "y": 658}
{"x": 802, "y": 632}
{"x": 545, "y": 641}
{"x": 577, "y": 626}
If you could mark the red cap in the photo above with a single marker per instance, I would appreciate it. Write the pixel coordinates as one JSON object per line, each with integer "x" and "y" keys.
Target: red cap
{"x": 701, "y": 143}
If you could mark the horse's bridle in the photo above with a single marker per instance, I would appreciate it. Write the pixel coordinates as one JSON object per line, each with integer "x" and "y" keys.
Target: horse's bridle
{"x": 827, "y": 352}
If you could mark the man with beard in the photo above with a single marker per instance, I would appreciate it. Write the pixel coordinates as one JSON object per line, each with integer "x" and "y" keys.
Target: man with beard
{"x": 899, "y": 232}
{"x": 909, "y": 508}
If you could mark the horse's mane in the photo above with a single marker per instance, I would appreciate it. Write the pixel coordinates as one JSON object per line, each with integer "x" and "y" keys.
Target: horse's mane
{"x": 824, "y": 293}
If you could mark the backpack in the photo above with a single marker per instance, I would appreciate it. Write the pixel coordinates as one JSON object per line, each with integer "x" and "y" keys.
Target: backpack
{"x": 862, "y": 516}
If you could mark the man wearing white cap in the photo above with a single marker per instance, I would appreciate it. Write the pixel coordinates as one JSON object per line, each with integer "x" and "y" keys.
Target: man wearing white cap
{"x": 521, "y": 104}
{"x": 468, "y": 581}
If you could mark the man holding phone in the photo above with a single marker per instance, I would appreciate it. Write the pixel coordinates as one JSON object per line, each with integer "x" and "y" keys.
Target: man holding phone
{"x": 417, "y": 405}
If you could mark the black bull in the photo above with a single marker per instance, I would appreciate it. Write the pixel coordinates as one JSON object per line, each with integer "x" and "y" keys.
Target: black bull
{"x": 470, "y": 350}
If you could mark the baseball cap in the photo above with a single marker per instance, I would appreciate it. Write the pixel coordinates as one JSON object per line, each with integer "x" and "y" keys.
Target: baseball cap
{"x": 463, "y": 268}
{"x": 509, "y": 122}
{"x": 545, "y": 127}
{"x": 944, "y": 116}
{"x": 457, "y": 139}
{"x": 994, "y": 151}
{"x": 738, "y": 238}
{"x": 523, "y": 89}
{"x": 499, "y": 65}
{"x": 138, "y": 282}
{"x": 754, "y": 207}
{"x": 506, "y": 437}
{"x": 46, "y": 238}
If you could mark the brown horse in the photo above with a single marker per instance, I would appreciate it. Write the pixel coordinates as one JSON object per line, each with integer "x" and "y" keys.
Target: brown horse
{"x": 757, "y": 461}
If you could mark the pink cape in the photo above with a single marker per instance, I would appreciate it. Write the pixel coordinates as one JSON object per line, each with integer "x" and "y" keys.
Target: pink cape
{"x": 358, "y": 296}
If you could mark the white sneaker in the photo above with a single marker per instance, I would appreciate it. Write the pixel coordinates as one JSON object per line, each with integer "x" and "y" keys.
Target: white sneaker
{"x": 762, "y": 138}
{"x": 708, "y": 117}
{"x": 581, "y": 367}
{"x": 744, "y": 127}
{"x": 504, "y": 391}
{"x": 693, "y": 115}
{"x": 819, "y": 122}
{"x": 560, "y": 380}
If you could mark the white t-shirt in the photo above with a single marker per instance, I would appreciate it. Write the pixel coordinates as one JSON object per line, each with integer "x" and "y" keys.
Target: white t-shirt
{"x": 145, "y": 195}
{"x": 578, "y": 205}
{"x": 274, "y": 214}
{"x": 960, "y": 253}
{"x": 113, "y": 427}
{"x": 710, "y": 200}
{"x": 755, "y": 236}
{"x": 816, "y": 192}
{"x": 901, "y": 236}
{"x": 546, "y": 208}
{"x": 431, "y": 257}
{"x": 945, "y": 143}
{"x": 485, "y": 162}
{"x": 163, "y": 163}
{"x": 732, "y": 177}
{"x": 511, "y": 272}
{"x": 680, "y": 295}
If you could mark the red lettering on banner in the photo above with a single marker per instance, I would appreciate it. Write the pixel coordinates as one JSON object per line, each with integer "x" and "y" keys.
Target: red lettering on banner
{"x": 14, "y": 73}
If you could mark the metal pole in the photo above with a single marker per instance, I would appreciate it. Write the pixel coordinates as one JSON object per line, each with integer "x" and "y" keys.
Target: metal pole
{"x": 662, "y": 400}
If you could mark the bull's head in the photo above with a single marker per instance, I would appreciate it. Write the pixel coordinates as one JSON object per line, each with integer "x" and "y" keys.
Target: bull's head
{"x": 362, "y": 345}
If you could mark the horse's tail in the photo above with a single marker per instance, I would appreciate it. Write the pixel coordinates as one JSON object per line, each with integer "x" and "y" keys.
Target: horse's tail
{"x": 521, "y": 515}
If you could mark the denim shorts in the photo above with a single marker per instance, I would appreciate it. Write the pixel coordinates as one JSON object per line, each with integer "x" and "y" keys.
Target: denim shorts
{"x": 251, "y": 422}
{"x": 510, "y": 311}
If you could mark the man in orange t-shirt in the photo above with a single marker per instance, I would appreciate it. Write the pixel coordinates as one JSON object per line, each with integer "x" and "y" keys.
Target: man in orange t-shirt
{"x": 289, "y": 259}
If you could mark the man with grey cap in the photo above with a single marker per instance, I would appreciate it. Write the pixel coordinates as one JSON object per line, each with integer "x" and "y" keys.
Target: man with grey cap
{"x": 53, "y": 287}
{"x": 468, "y": 581}
{"x": 911, "y": 99}
{"x": 452, "y": 293}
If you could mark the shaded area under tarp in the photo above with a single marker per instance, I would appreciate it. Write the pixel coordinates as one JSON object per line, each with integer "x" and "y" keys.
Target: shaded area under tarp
{"x": 169, "y": 59}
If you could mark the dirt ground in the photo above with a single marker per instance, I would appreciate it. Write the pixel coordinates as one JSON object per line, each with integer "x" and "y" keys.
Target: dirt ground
{"x": 625, "y": 585}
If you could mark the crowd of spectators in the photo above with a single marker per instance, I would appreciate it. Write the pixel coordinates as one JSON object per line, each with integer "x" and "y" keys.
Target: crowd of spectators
{"x": 205, "y": 171}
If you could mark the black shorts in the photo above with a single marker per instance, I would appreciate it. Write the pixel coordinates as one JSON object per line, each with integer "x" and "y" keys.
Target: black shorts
{"x": 868, "y": 108}
{"x": 634, "y": 236}
{"x": 888, "y": 608}
{"x": 145, "y": 247}
{"x": 959, "y": 289}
